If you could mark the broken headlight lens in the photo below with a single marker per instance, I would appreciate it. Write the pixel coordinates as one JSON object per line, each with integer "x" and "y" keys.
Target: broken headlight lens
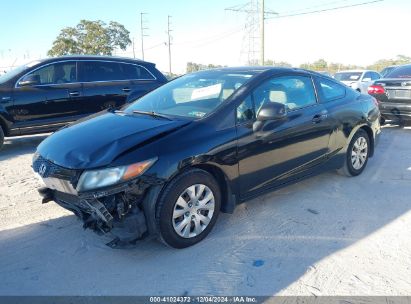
{"x": 95, "y": 179}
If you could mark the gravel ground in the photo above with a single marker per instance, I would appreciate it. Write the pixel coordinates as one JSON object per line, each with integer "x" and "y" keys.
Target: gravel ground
{"x": 328, "y": 235}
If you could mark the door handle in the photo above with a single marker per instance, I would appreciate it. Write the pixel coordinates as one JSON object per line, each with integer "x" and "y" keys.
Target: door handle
{"x": 320, "y": 117}
{"x": 74, "y": 94}
{"x": 126, "y": 90}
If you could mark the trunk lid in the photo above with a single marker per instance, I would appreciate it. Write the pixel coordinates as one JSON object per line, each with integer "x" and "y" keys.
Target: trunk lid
{"x": 396, "y": 90}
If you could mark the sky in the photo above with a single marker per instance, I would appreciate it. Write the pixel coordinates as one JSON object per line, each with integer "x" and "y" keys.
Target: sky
{"x": 204, "y": 32}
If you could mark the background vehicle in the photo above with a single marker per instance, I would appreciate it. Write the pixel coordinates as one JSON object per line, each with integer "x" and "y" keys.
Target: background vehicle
{"x": 387, "y": 70}
{"x": 202, "y": 143}
{"x": 325, "y": 73}
{"x": 358, "y": 80}
{"x": 394, "y": 94}
{"x": 44, "y": 95}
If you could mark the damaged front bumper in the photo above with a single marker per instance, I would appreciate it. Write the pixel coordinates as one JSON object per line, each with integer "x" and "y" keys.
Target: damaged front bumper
{"x": 124, "y": 211}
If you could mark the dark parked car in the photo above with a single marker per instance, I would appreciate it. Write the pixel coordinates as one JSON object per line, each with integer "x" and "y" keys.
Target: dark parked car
{"x": 387, "y": 70}
{"x": 167, "y": 164}
{"x": 44, "y": 95}
{"x": 394, "y": 95}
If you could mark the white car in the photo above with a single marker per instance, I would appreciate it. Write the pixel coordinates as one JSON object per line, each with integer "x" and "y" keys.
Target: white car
{"x": 359, "y": 80}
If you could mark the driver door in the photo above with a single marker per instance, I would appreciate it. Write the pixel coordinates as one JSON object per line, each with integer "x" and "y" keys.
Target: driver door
{"x": 279, "y": 150}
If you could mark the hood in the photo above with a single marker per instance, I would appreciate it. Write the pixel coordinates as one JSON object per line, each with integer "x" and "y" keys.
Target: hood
{"x": 97, "y": 141}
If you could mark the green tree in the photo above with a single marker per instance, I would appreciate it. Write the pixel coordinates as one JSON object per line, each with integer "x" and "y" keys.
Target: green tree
{"x": 270, "y": 62}
{"x": 91, "y": 37}
{"x": 307, "y": 66}
{"x": 383, "y": 63}
{"x": 320, "y": 65}
{"x": 194, "y": 67}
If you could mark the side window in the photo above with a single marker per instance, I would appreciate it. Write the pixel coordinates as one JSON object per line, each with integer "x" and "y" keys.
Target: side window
{"x": 132, "y": 71}
{"x": 63, "y": 72}
{"x": 375, "y": 76}
{"x": 330, "y": 90}
{"x": 245, "y": 111}
{"x": 367, "y": 75}
{"x": 294, "y": 91}
{"x": 101, "y": 71}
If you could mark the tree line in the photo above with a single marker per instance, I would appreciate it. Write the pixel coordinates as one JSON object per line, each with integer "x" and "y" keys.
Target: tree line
{"x": 332, "y": 68}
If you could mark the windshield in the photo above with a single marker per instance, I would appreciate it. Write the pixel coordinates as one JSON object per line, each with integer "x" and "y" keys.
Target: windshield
{"x": 400, "y": 72}
{"x": 193, "y": 95}
{"x": 14, "y": 72}
{"x": 348, "y": 76}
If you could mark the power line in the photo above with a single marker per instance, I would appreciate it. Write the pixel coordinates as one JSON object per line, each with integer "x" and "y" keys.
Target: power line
{"x": 155, "y": 46}
{"x": 218, "y": 37}
{"x": 210, "y": 38}
{"x": 313, "y": 7}
{"x": 327, "y": 9}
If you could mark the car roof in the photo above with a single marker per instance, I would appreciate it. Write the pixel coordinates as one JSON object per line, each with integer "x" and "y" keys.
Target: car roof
{"x": 354, "y": 71}
{"x": 94, "y": 57}
{"x": 393, "y": 66}
{"x": 257, "y": 69}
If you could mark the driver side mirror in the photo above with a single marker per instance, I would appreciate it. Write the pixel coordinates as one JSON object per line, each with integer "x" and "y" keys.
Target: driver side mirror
{"x": 272, "y": 111}
{"x": 29, "y": 80}
{"x": 269, "y": 114}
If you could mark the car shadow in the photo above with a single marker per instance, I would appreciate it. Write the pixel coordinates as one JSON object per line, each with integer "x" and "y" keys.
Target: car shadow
{"x": 20, "y": 145}
{"x": 268, "y": 244}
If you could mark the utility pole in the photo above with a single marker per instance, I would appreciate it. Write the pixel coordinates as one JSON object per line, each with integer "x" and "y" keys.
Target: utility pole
{"x": 256, "y": 15}
{"x": 262, "y": 21}
{"x": 134, "y": 49}
{"x": 169, "y": 44}
{"x": 142, "y": 33}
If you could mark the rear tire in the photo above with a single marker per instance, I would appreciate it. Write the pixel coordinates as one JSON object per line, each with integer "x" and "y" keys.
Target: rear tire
{"x": 1, "y": 137}
{"x": 188, "y": 208}
{"x": 357, "y": 154}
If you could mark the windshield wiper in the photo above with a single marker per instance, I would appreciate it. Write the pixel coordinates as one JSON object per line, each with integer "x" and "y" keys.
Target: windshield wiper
{"x": 152, "y": 114}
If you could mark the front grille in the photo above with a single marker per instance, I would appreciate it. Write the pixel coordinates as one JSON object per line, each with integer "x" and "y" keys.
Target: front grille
{"x": 46, "y": 168}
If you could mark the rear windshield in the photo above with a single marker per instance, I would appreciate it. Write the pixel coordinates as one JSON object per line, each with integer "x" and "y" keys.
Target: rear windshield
{"x": 400, "y": 72}
{"x": 387, "y": 70}
{"x": 348, "y": 76}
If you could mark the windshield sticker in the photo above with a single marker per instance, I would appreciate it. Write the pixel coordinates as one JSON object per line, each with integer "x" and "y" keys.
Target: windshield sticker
{"x": 197, "y": 114}
{"x": 213, "y": 90}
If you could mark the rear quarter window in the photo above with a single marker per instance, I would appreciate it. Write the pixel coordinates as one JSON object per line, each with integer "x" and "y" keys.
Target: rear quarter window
{"x": 132, "y": 71}
{"x": 330, "y": 90}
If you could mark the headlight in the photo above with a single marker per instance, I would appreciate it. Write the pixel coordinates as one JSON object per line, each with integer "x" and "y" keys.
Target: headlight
{"x": 94, "y": 179}
{"x": 36, "y": 155}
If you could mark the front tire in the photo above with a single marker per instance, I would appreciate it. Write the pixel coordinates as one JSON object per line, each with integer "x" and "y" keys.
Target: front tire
{"x": 188, "y": 208}
{"x": 357, "y": 154}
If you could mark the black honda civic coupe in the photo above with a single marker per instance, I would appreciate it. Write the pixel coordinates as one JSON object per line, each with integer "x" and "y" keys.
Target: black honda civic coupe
{"x": 168, "y": 163}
